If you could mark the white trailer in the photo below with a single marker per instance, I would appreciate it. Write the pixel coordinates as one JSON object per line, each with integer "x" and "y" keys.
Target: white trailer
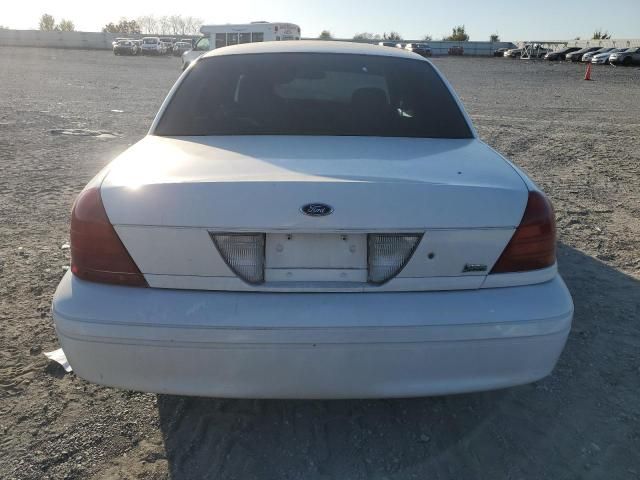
{"x": 218, "y": 36}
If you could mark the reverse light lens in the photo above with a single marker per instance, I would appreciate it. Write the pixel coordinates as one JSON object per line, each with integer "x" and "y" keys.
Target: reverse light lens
{"x": 97, "y": 253}
{"x": 533, "y": 244}
{"x": 243, "y": 253}
{"x": 388, "y": 254}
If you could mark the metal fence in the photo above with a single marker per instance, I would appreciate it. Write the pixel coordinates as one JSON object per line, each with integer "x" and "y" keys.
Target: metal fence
{"x": 442, "y": 47}
{"x": 614, "y": 42}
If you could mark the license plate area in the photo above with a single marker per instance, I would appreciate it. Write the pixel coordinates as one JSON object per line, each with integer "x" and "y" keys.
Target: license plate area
{"x": 315, "y": 257}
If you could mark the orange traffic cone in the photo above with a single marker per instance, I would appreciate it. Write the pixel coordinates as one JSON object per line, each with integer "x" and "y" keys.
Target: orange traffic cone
{"x": 587, "y": 75}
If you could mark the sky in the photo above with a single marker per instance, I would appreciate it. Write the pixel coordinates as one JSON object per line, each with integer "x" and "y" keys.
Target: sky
{"x": 540, "y": 20}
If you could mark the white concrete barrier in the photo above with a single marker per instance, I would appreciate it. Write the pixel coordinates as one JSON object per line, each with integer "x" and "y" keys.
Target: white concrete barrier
{"x": 100, "y": 41}
{"x": 37, "y": 38}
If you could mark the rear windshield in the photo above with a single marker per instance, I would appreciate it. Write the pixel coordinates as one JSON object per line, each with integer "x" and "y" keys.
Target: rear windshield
{"x": 150, "y": 41}
{"x": 313, "y": 94}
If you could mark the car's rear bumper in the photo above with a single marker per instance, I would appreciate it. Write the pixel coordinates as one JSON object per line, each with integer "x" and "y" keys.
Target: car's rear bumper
{"x": 323, "y": 345}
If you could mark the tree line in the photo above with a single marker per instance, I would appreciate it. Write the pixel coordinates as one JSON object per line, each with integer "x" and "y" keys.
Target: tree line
{"x": 165, "y": 25}
{"x": 149, "y": 24}
{"x": 601, "y": 35}
{"x": 48, "y": 24}
{"x": 170, "y": 25}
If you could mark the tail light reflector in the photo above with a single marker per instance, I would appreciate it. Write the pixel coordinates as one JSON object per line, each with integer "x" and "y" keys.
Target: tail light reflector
{"x": 97, "y": 253}
{"x": 388, "y": 253}
{"x": 533, "y": 245}
{"x": 243, "y": 253}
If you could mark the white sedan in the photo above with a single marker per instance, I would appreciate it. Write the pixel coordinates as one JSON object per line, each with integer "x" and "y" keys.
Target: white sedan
{"x": 588, "y": 57}
{"x": 312, "y": 220}
{"x": 603, "y": 58}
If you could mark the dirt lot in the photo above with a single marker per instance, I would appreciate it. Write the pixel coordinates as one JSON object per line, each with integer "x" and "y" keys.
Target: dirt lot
{"x": 581, "y": 142}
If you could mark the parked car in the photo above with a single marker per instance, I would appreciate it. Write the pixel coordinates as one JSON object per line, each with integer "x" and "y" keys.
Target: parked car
{"x": 577, "y": 55}
{"x": 421, "y": 49}
{"x": 118, "y": 39}
{"x": 603, "y": 58}
{"x": 152, "y": 46}
{"x": 401, "y": 45}
{"x": 630, "y": 56}
{"x": 560, "y": 54}
{"x": 125, "y": 47}
{"x": 168, "y": 42}
{"x": 180, "y": 47}
{"x": 513, "y": 53}
{"x": 387, "y": 44}
{"x": 456, "y": 50}
{"x": 499, "y": 52}
{"x": 586, "y": 58}
{"x": 201, "y": 46}
{"x": 235, "y": 251}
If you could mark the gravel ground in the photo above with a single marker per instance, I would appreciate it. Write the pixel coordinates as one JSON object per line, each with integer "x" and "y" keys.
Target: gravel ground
{"x": 579, "y": 140}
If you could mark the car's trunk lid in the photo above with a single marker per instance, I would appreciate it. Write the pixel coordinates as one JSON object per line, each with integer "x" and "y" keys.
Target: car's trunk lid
{"x": 165, "y": 195}
{"x": 250, "y": 183}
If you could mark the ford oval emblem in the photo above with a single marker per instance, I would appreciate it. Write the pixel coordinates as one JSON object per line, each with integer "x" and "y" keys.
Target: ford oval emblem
{"x": 316, "y": 209}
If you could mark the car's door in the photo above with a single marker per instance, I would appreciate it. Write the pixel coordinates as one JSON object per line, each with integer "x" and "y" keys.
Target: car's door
{"x": 203, "y": 45}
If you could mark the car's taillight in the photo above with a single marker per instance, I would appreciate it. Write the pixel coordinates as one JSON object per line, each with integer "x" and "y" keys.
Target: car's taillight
{"x": 388, "y": 253}
{"x": 533, "y": 245}
{"x": 243, "y": 253}
{"x": 97, "y": 254}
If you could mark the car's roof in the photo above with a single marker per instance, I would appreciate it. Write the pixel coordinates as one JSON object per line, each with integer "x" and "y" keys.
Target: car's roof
{"x": 311, "y": 46}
